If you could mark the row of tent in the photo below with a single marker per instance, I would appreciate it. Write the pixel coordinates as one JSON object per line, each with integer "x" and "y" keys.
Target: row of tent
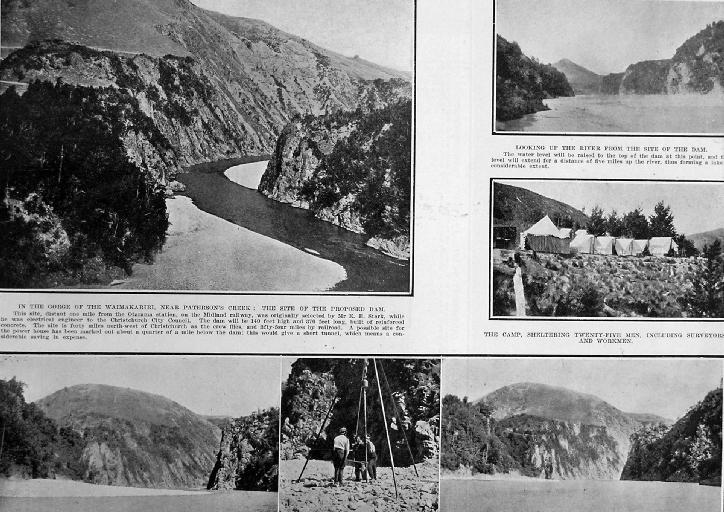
{"x": 544, "y": 236}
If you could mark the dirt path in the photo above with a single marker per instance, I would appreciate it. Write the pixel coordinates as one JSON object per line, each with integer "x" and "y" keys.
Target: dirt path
{"x": 317, "y": 494}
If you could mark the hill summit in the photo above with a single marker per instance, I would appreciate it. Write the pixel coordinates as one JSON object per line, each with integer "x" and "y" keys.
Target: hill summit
{"x": 134, "y": 438}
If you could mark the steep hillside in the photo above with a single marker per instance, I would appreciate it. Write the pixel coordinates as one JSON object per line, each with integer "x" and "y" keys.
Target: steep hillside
{"x": 646, "y": 77}
{"x": 264, "y": 75}
{"x": 688, "y": 451}
{"x": 698, "y": 64}
{"x": 540, "y": 431}
{"x": 516, "y": 205}
{"x": 84, "y": 171}
{"x": 314, "y": 383}
{"x": 583, "y": 81}
{"x": 556, "y": 403}
{"x": 248, "y": 458}
{"x": 706, "y": 238}
{"x": 133, "y": 438}
{"x": 522, "y": 83}
{"x": 351, "y": 169}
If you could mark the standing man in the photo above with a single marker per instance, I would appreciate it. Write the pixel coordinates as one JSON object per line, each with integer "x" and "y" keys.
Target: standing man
{"x": 371, "y": 459}
{"x": 339, "y": 455}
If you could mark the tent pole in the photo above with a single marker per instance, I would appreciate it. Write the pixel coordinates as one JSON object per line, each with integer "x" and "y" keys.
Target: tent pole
{"x": 334, "y": 401}
{"x": 364, "y": 404}
{"x": 399, "y": 419}
{"x": 387, "y": 432}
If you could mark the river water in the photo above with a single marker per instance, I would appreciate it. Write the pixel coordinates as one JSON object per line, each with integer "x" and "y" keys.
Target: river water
{"x": 680, "y": 114}
{"x": 577, "y": 496}
{"x": 229, "y": 236}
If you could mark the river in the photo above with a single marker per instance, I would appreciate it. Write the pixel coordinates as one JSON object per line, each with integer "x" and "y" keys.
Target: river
{"x": 227, "y": 236}
{"x": 577, "y": 495}
{"x": 679, "y": 114}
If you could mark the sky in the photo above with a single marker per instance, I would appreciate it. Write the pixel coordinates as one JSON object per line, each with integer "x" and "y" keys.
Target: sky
{"x": 604, "y": 36}
{"x": 380, "y": 31}
{"x": 666, "y": 387}
{"x": 696, "y": 207}
{"x": 208, "y": 385}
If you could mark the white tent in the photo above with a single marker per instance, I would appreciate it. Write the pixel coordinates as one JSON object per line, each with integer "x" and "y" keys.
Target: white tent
{"x": 583, "y": 243}
{"x": 565, "y": 232}
{"x": 543, "y": 227}
{"x": 639, "y": 246}
{"x": 603, "y": 245}
{"x": 661, "y": 245}
{"x": 624, "y": 246}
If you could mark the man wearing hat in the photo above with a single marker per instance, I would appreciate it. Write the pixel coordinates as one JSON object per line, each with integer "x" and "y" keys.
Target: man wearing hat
{"x": 339, "y": 455}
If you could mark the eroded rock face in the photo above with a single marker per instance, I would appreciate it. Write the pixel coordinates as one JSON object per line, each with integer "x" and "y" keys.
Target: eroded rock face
{"x": 133, "y": 438}
{"x": 248, "y": 454}
{"x": 327, "y": 165}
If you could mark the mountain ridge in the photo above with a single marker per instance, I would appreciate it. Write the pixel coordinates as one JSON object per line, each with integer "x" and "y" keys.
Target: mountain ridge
{"x": 517, "y": 205}
{"x": 135, "y": 438}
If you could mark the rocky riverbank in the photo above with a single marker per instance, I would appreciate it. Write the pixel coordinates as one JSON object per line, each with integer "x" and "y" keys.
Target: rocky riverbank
{"x": 316, "y": 493}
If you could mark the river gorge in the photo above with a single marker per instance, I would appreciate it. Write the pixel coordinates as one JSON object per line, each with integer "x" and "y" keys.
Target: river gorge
{"x": 224, "y": 235}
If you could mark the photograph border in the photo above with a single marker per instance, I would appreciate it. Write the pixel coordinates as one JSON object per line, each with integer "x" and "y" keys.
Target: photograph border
{"x": 574, "y": 319}
{"x": 410, "y": 292}
{"x": 494, "y": 131}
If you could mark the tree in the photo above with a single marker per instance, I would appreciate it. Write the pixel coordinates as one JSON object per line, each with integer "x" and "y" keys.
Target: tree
{"x": 686, "y": 247}
{"x": 705, "y": 299}
{"x": 661, "y": 223}
{"x": 596, "y": 222}
{"x": 635, "y": 225}
{"x": 614, "y": 224}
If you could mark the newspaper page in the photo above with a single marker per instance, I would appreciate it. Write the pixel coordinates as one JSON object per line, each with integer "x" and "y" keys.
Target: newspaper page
{"x": 343, "y": 255}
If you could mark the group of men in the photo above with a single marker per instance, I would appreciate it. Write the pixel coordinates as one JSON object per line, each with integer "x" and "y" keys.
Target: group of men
{"x": 361, "y": 451}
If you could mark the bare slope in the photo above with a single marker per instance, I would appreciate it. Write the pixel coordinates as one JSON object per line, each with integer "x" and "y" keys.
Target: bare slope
{"x": 263, "y": 75}
{"x": 134, "y": 438}
{"x": 516, "y": 205}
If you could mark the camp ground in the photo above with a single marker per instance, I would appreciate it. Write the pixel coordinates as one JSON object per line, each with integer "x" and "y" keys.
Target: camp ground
{"x": 545, "y": 237}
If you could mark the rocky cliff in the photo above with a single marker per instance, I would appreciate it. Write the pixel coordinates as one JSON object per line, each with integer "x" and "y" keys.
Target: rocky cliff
{"x": 563, "y": 450}
{"x": 260, "y": 76}
{"x": 539, "y": 431}
{"x": 690, "y": 450}
{"x": 133, "y": 438}
{"x": 414, "y": 386}
{"x": 698, "y": 64}
{"x": 248, "y": 457}
{"x": 351, "y": 169}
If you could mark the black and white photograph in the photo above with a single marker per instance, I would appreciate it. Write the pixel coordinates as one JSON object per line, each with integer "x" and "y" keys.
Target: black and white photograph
{"x": 618, "y": 249}
{"x": 609, "y": 66}
{"x": 584, "y": 435}
{"x": 359, "y": 434}
{"x": 208, "y": 145}
{"x": 139, "y": 433}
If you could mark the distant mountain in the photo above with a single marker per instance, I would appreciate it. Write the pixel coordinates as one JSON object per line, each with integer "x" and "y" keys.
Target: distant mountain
{"x": 706, "y": 238}
{"x": 134, "y": 438}
{"x": 695, "y": 67}
{"x": 521, "y": 207}
{"x": 522, "y": 83}
{"x": 583, "y": 81}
